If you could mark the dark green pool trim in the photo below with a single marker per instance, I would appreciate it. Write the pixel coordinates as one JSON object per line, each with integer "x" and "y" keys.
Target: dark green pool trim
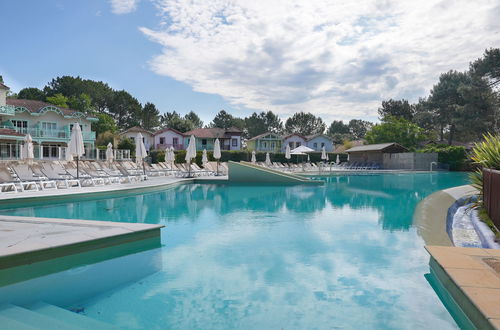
{"x": 24, "y": 266}
{"x": 466, "y": 314}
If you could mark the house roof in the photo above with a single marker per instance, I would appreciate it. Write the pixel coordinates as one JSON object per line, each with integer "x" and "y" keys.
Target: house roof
{"x": 136, "y": 129}
{"x": 313, "y": 136}
{"x": 377, "y": 147}
{"x": 341, "y": 148}
{"x": 264, "y": 134}
{"x": 168, "y": 129}
{"x": 292, "y": 134}
{"x": 3, "y": 86}
{"x": 38, "y": 107}
{"x": 211, "y": 133}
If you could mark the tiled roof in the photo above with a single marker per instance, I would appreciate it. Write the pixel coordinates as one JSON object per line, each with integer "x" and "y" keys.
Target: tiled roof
{"x": 211, "y": 133}
{"x": 341, "y": 148}
{"x": 264, "y": 134}
{"x": 168, "y": 129}
{"x": 3, "y": 86}
{"x": 310, "y": 137}
{"x": 35, "y": 106}
{"x": 11, "y": 132}
{"x": 376, "y": 147}
{"x": 292, "y": 134}
{"x": 136, "y": 129}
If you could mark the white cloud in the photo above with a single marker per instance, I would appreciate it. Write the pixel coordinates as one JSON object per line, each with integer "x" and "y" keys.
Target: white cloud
{"x": 123, "y": 6}
{"x": 337, "y": 60}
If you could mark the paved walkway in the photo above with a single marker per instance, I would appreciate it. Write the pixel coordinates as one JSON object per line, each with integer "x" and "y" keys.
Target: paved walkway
{"x": 472, "y": 277}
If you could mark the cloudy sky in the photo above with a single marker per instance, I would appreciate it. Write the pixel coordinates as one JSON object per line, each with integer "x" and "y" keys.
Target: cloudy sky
{"x": 337, "y": 59}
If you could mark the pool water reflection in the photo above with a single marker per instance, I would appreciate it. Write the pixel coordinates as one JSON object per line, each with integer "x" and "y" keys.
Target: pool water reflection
{"x": 343, "y": 255}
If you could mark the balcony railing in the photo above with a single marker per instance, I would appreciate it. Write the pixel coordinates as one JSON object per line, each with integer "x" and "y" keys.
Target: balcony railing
{"x": 7, "y": 110}
{"x": 9, "y": 151}
{"x": 55, "y": 133}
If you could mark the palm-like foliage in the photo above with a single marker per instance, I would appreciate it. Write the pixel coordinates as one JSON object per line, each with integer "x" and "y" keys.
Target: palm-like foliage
{"x": 486, "y": 154}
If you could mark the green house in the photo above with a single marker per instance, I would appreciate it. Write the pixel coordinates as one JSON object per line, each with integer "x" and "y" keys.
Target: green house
{"x": 266, "y": 142}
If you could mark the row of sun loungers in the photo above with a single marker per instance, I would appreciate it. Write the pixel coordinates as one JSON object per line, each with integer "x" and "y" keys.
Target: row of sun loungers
{"x": 17, "y": 176}
{"x": 319, "y": 167}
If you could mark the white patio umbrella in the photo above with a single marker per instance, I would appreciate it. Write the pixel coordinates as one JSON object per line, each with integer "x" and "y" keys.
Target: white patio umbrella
{"x": 109, "y": 153}
{"x": 75, "y": 146}
{"x": 217, "y": 153}
{"x": 287, "y": 154}
{"x": 27, "y": 152}
{"x": 254, "y": 160}
{"x": 323, "y": 154}
{"x": 140, "y": 151}
{"x": 204, "y": 157}
{"x": 268, "y": 159}
{"x": 308, "y": 159}
{"x": 347, "y": 157}
{"x": 338, "y": 160}
{"x": 172, "y": 155}
{"x": 190, "y": 153}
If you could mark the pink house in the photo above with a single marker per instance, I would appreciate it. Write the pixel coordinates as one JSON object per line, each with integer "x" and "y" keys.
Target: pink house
{"x": 169, "y": 137}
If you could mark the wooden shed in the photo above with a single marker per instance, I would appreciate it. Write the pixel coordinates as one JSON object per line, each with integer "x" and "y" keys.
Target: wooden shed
{"x": 374, "y": 152}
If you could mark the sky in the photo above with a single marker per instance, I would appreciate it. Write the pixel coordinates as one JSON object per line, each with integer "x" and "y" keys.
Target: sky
{"x": 336, "y": 59}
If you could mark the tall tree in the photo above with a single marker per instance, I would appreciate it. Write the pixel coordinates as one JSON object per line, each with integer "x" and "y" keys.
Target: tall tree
{"x": 263, "y": 122}
{"x": 396, "y": 129}
{"x": 338, "y": 127}
{"x": 150, "y": 116}
{"x": 396, "y": 108}
{"x": 31, "y": 93}
{"x": 447, "y": 99}
{"x": 488, "y": 67}
{"x": 125, "y": 109}
{"x": 175, "y": 121}
{"x": 305, "y": 124}
{"x": 223, "y": 119}
{"x": 194, "y": 118}
{"x": 359, "y": 127}
{"x": 106, "y": 123}
{"x": 82, "y": 103}
{"x": 58, "y": 100}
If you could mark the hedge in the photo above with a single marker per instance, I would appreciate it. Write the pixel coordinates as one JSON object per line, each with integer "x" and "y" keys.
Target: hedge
{"x": 454, "y": 156}
{"x": 239, "y": 155}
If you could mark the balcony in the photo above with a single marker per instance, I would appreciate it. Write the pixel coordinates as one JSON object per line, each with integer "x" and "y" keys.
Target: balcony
{"x": 7, "y": 110}
{"x": 62, "y": 134}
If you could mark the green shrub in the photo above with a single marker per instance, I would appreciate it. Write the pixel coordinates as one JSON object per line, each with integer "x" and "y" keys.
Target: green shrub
{"x": 243, "y": 155}
{"x": 454, "y": 156}
{"x": 127, "y": 143}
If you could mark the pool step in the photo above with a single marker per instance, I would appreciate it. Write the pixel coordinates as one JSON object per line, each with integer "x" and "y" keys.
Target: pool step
{"x": 45, "y": 316}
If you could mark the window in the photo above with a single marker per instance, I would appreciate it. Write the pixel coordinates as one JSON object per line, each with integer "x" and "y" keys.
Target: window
{"x": 175, "y": 141}
{"x": 162, "y": 140}
{"x": 290, "y": 144}
{"x": 234, "y": 142}
{"x": 297, "y": 144}
{"x": 21, "y": 125}
{"x": 315, "y": 145}
{"x": 322, "y": 144}
{"x": 264, "y": 145}
{"x": 132, "y": 138}
{"x": 46, "y": 126}
{"x": 272, "y": 145}
{"x": 204, "y": 142}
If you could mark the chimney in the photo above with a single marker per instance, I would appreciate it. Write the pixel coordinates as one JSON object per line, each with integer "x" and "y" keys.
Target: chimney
{"x": 3, "y": 94}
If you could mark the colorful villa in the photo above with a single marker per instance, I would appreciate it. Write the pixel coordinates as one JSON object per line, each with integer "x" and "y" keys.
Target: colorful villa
{"x": 267, "y": 142}
{"x": 49, "y": 126}
{"x": 272, "y": 142}
{"x": 147, "y": 136}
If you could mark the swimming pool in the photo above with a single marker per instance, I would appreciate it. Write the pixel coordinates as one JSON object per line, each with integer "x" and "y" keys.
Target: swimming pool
{"x": 343, "y": 255}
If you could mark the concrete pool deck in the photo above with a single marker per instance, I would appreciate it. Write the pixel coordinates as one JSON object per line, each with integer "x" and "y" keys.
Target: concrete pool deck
{"x": 472, "y": 277}
{"x": 47, "y": 245}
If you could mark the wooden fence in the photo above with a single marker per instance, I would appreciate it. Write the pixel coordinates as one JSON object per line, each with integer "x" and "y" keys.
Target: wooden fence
{"x": 491, "y": 191}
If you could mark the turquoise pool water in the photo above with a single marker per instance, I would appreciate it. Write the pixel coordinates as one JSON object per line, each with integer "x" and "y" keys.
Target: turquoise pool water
{"x": 344, "y": 255}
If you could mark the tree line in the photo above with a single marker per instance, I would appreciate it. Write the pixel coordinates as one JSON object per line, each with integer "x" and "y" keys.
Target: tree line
{"x": 461, "y": 106}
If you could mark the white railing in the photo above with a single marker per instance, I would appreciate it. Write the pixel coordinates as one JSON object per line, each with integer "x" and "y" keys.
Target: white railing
{"x": 9, "y": 151}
